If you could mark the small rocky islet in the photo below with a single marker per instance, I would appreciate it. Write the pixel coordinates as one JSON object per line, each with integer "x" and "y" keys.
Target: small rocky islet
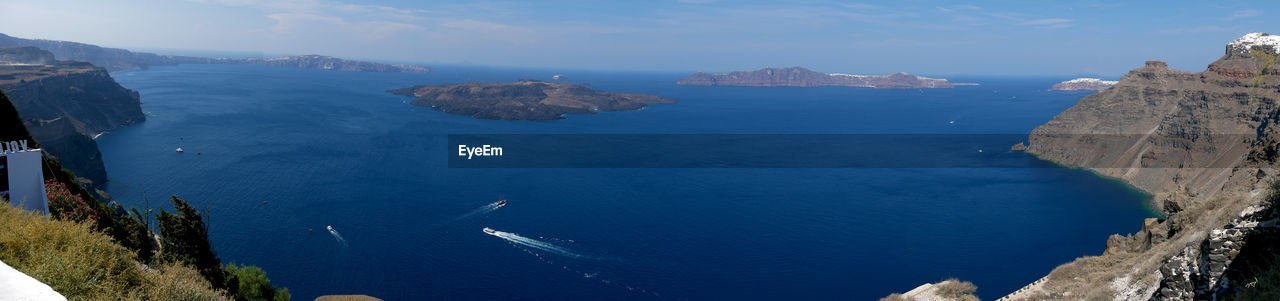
{"x": 524, "y": 99}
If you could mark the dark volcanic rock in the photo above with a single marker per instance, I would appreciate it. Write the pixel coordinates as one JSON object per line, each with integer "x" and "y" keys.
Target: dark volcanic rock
{"x": 801, "y": 77}
{"x": 524, "y": 100}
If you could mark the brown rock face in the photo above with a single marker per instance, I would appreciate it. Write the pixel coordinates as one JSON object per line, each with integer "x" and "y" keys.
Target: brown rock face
{"x": 801, "y": 77}
{"x": 1160, "y": 128}
{"x": 1200, "y": 143}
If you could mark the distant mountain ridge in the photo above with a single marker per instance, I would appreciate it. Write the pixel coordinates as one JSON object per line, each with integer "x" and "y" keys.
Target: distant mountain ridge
{"x": 114, "y": 59}
{"x": 801, "y": 77}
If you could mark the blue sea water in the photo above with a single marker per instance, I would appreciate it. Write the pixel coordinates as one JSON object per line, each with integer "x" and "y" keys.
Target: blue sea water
{"x": 333, "y": 148}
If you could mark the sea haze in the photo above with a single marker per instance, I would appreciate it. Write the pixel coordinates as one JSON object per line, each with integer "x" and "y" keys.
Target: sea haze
{"x": 333, "y": 148}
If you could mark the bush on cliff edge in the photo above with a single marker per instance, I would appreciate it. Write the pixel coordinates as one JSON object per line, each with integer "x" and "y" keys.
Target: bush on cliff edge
{"x": 82, "y": 264}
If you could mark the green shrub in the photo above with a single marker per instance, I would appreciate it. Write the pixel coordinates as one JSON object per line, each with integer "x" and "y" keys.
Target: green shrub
{"x": 185, "y": 239}
{"x": 254, "y": 285}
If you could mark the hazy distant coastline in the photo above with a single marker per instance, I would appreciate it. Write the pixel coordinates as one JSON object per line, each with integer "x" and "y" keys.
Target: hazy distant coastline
{"x": 114, "y": 59}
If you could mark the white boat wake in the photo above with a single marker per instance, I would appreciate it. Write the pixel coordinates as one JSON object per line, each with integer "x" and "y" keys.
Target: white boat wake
{"x": 531, "y": 245}
{"x": 536, "y": 244}
{"x": 481, "y": 211}
{"x": 337, "y": 236}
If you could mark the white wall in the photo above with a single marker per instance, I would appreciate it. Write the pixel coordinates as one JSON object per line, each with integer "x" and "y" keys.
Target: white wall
{"x": 26, "y": 181}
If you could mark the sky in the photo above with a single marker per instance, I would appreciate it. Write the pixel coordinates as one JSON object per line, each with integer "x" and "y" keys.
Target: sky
{"x": 1105, "y": 38}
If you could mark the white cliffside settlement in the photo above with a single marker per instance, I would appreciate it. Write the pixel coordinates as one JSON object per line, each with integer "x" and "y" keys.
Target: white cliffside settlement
{"x": 1247, "y": 42}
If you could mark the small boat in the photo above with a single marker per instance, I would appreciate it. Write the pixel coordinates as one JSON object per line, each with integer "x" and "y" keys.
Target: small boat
{"x": 557, "y": 76}
{"x": 489, "y": 231}
{"x": 329, "y": 227}
{"x": 179, "y": 150}
{"x": 501, "y": 203}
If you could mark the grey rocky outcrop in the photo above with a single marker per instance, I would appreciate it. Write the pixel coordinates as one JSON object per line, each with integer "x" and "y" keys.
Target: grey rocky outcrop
{"x": 1198, "y": 271}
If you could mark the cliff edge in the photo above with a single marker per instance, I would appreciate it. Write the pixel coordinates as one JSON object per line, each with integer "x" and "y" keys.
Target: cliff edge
{"x": 66, "y": 103}
{"x": 1203, "y": 144}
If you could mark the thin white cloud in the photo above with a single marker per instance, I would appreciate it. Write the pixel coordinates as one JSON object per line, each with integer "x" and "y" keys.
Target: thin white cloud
{"x": 1243, "y": 14}
{"x": 1050, "y": 23}
{"x": 1213, "y": 28}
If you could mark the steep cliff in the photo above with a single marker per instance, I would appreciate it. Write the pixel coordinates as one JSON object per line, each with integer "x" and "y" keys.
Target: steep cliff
{"x": 801, "y": 77}
{"x": 64, "y": 104}
{"x": 1203, "y": 144}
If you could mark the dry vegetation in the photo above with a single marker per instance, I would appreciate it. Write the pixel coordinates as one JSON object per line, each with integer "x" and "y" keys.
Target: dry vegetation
{"x": 85, "y": 265}
{"x": 950, "y": 290}
{"x": 956, "y": 290}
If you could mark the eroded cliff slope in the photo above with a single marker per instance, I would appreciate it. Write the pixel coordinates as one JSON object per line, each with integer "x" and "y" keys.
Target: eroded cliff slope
{"x": 64, "y": 104}
{"x": 1203, "y": 144}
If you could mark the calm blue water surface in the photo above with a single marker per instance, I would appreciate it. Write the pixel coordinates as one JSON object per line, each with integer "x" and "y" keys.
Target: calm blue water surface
{"x": 332, "y": 148}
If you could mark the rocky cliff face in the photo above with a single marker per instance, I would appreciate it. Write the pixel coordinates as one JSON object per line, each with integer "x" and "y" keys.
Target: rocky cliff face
{"x": 801, "y": 77}
{"x": 1200, "y": 143}
{"x": 64, "y": 104}
{"x": 1199, "y": 271}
